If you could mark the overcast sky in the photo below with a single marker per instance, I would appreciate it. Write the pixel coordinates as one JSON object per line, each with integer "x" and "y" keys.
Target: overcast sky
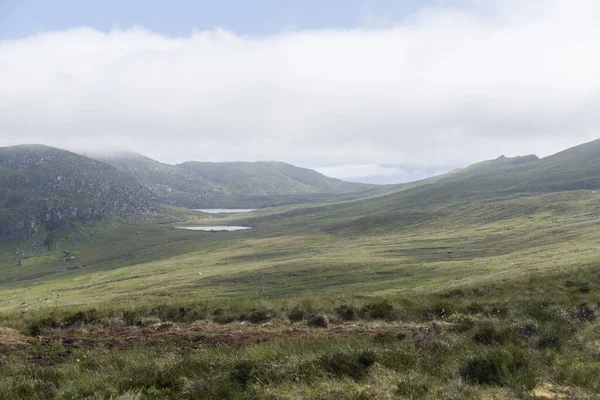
{"x": 371, "y": 91}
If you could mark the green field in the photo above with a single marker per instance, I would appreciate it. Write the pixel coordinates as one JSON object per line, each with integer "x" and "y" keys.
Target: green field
{"x": 489, "y": 299}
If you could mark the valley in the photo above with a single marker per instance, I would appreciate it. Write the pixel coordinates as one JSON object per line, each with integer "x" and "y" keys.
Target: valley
{"x": 480, "y": 283}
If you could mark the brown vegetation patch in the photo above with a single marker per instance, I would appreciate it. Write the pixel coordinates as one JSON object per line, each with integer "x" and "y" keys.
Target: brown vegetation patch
{"x": 547, "y": 391}
{"x": 11, "y": 339}
{"x": 203, "y": 333}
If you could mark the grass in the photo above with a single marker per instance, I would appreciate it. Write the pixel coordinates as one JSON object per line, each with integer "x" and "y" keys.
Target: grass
{"x": 416, "y": 354}
{"x": 493, "y": 299}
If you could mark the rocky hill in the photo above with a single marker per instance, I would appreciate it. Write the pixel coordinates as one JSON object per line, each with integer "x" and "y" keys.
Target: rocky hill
{"x": 230, "y": 184}
{"x": 43, "y": 189}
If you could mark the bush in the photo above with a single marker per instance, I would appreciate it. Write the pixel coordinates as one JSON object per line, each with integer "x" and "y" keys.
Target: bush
{"x": 412, "y": 387}
{"x": 474, "y": 308}
{"x": 499, "y": 368}
{"x": 549, "y": 342}
{"x": 437, "y": 310}
{"x": 83, "y": 318}
{"x": 39, "y": 326}
{"x": 380, "y": 310}
{"x": 178, "y": 314}
{"x": 243, "y": 372}
{"x": 496, "y": 310}
{"x": 488, "y": 335}
{"x": 318, "y": 321}
{"x": 461, "y": 323}
{"x": 297, "y": 315}
{"x": 222, "y": 317}
{"x": 388, "y": 337}
{"x": 583, "y": 313}
{"x": 527, "y": 330}
{"x": 346, "y": 312}
{"x": 259, "y": 316}
{"x": 353, "y": 365}
{"x": 542, "y": 311}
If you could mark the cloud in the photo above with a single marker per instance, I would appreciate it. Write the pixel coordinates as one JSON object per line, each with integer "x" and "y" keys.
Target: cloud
{"x": 381, "y": 174}
{"x": 443, "y": 87}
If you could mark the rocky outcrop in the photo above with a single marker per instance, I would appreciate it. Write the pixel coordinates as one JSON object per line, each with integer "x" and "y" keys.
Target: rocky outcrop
{"x": 51, "y": 189}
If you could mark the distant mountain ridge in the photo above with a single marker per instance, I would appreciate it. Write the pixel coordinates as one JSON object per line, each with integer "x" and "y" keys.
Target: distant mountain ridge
{"x": 576, "y": 168}
{"x": 45, "y": 189}
{"x": 411, "y": 204}
{"x": 230, "y": 184}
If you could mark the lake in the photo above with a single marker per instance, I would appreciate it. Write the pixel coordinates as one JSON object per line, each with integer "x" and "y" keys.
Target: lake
{"x": 214, "y": 228}
{"x": 223, "y": 210}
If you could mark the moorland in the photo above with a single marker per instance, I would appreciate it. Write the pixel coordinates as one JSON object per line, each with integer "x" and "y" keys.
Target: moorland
{"x": 479, "y": 283}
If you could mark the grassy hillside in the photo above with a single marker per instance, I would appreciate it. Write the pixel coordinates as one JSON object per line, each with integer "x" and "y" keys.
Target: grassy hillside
{"x": 231, "y": 184}
{"x": 490, "y": 293}
{"x": 494, "y": 299}
{"x": 573, "y": 169}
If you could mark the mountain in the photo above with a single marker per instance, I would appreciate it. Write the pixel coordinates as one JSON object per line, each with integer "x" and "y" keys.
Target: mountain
{"x": 470, "y": 188}
{"x": 43, "y": 189}
{"x": 576, "y": 168}
{"x": 230, "y": 184}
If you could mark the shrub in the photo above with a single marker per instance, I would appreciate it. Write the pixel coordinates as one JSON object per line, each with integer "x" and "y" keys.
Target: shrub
{"x": 385, "y": 337}
{"x": 353, "y": 365}
{"x": 178, "y": 314}
{"x": 259, "y": 316}
{"x": 318, "y": 321}
{"x": 346, "y": 312}
{"x": 488, "y": 335}
{"x": 380, "y": 310}
{"x": 437, "y": 310}
{"x": 549, "y": 342}
{"x": 243, "y": 372}
{"x": 474, "y": 308}
{"x": 496, "y": 310}
{"x": 583, "y": 313}
{"x": 412, "y": 387}
{"x": 542, "y": 311}
{"x": 83, "y": 318}
{"x": 39, "y": 326}
{"x": 222, "y": 317}
{"x": 527, "y": 330}
{"x": 462, "y": 323}
{"x": 499, "y": 368}
{"x": 297, "y": 315}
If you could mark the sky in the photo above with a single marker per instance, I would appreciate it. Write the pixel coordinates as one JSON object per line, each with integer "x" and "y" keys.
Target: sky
{"x": 372, "y": 91}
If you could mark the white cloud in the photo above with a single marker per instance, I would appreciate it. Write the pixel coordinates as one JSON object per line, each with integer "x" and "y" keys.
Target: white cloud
{"x": 382, "y": 174}
{"x": 443, "y": 87}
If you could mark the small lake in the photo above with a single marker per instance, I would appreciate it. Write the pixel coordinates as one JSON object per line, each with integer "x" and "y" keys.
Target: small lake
{"x": 223, "y": 210}
{"x": 214, "y": 228}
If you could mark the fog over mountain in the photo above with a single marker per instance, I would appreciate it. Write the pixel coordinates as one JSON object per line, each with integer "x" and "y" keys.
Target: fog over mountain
{"x": 399, "y": 101}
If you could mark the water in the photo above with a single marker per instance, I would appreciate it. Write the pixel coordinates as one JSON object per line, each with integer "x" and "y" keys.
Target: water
{"x": 214, "y": 228}
{"x": 224, "y": 210}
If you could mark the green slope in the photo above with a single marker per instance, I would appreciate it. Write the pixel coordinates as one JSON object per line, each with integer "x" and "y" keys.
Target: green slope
{"x": 492, "y": 293}
{"x": 415, "y": 203}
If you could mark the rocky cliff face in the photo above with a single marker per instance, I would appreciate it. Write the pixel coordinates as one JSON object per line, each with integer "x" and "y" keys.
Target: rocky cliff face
{"x": 44, "y": 187}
